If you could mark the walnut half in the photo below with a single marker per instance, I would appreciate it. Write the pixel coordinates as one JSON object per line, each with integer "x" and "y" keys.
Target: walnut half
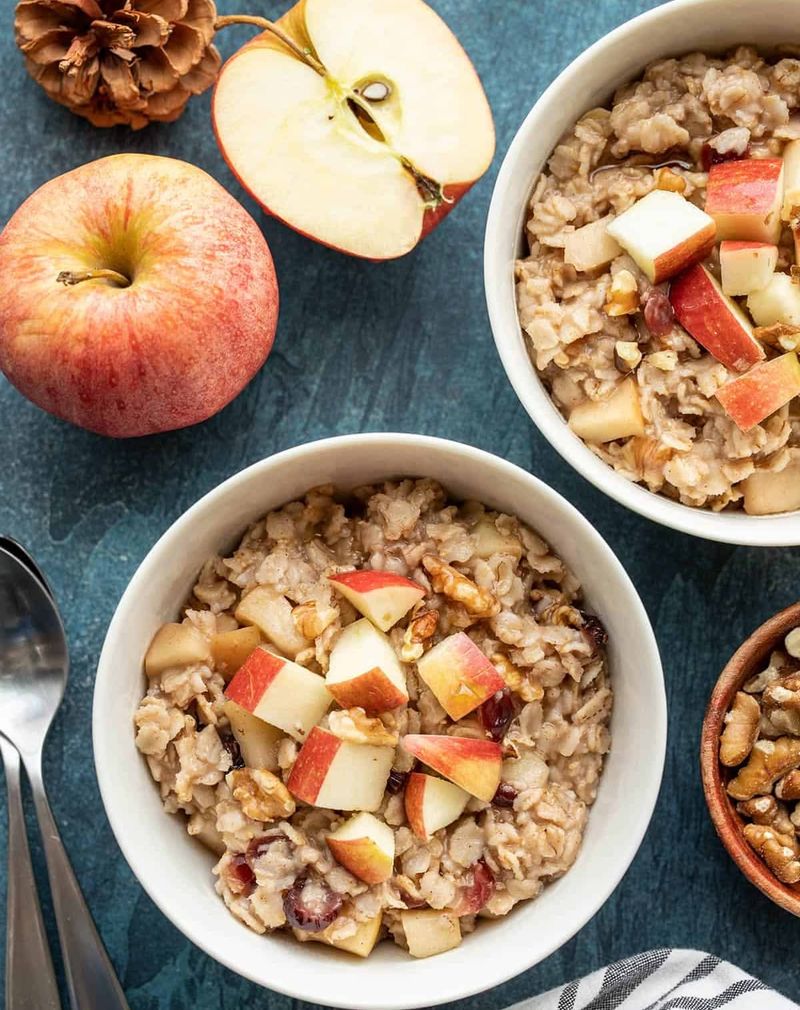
{"x": 449, "y": 582}
{"x": 741, "y": 730}
{"x": 778, "y": 851}
{"x": 769, "y": 761}
{"x": 262, "y": 795}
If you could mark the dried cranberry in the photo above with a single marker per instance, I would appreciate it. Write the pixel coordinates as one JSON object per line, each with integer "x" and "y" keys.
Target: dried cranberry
{"x": 709, "y": 155}
{"x": 231, "y": 745}
{"x": 594, "y": 630}
{"x": 311, "y": 905}
{"x": 397, "y": 782}
{"x": 496, "y": 714}
{"x": 659, "y": 316}
{"x": 475, "y": 895}
{"x": 241, "y": 880}
{"x": 258, "y": 846}
{"x": 505, "y": 795}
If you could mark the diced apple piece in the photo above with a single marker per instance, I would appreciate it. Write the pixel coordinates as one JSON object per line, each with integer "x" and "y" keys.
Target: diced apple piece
{"x": 767, "y": 493}
{"x": 175, "y": 645}
{"x": 432, "y": 803}
{"x": 778, "y": 302}
{"x": 791, "y": 180}
{"x": 364, "y": 670}
{"x": 338, "y": 775}
{"x": 364, "y": 846}
{"x": 664, "y": 234}
{"x": 489, "y": 541}
{"x": 714, "y": 320}
{"x": 229, "y": 649}
{"x": 429, "y": 931}
{"x": 459, "y": 674}
{"x": 746, "y": 266}
{"x": 607, "y": 420}
{"x": 258, "y": 741}
{"x": 280, "y": 692}
{"x": 381, "y": 597}
{"x": 271, "y": 613}
{"x": 591, "y": 247}
{"x": 758, "y": 393}
{"x": 360, "y": 943}
{"x": 208, "y": 835}
{"x": 745, "y": 199}
{"x": 474, "y": 765}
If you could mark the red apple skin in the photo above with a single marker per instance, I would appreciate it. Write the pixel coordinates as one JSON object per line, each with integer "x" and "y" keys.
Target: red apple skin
{"x": 253, "y": 677}
{"x": 748, "y": 189}
{"x": 767, "y": 387}
{"x": 172, "y": 348}
{"x": 372, "y": 691}
{"x": 312, "y": 764}
{"x": 368, "y": 579}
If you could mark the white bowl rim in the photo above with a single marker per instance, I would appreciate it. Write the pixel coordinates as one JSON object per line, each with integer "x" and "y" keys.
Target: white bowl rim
{"x": 101, "y": 731}
{"x": 782, "y": 530}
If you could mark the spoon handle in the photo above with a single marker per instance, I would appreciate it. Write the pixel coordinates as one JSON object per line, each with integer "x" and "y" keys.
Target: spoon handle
{"x": 91, "y": 980}
{"x": 30, "y": 979}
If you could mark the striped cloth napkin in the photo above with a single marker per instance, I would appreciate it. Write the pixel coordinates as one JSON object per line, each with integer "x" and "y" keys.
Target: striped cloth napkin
{"x": 663, "y": 979}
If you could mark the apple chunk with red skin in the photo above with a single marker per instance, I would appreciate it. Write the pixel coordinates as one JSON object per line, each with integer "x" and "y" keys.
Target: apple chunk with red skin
{"x": 475, "y": 765}
{"x": 365, "y": 134}
{"x": 364, "y": 846}
{"x": 364, "y": 670}
{"x": 663, "y": 233}
{"x": 280, "y": 692}
{"x": 459, "y": 674}
{"x": 339, "y": 775}
{"x": 715, "y": 321}
{"x": 432, "y": 803}
{"x": 745, "y": 199}
{"x": 382, "y": 597}
{"x": 758, "y": 393}
{"x": 746, "y": 266}
{"x": 168, "y": 303}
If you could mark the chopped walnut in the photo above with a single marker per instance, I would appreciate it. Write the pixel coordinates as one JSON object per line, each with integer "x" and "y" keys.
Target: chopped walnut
{"x": 780, "y": 335}
{"x": 788, "y": 788}
{"x": 670, "y": 181}
{"x": 449, "y": 582}
{"x": 783, "y": 694}
{"x": 769, "y": 761}
{"x": 766, "y": 810}
{"x": 642, "y": 453}
{"x": 623, "y": 295}
{"x": 626, "y": 356}
{"x": 666, "y": 361}
{"x": 741, "y": 730}
{"x": 312, "y": 618}
{"x": 561, "y": 614}
{"x": 421, "y": 627}
{"x": 262, "y": 795}
{"x": 355, "y": 726}
{"x": 516, "y": 680}
{"x": 778, "y": 851}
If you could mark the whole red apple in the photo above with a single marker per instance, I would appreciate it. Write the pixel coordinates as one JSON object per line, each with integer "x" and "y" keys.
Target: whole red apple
{"x": 136, "y": 296}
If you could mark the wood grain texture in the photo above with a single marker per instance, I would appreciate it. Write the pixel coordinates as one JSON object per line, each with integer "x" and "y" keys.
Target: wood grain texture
{"x": 402, "y": 346}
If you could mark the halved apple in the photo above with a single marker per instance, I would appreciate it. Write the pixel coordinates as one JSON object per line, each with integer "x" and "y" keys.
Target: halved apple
{"x": 745, "y": 199}
{"x": 758, "y": 393}
{"x": 365, "y": 133}
{"x": 364, "y": 670}
{"x": 382, "y": 597}
{"x": 333, "y": 773}
{"x": 432, "y": 803}
{"x": 474, "y": 765}
{"x": 459, "y": 674}
{"x": 746, "y": 266}
{"x": 364, "y": 846}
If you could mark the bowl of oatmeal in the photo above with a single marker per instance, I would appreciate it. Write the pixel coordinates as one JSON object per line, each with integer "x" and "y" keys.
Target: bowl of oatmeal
{"x": 750, "y": 758}
{"x": 641, "y": 269}
{"x": 393, "y": 713}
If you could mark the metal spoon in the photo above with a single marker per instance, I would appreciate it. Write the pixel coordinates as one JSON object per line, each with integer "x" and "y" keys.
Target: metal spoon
{"x": 34, "y": 663}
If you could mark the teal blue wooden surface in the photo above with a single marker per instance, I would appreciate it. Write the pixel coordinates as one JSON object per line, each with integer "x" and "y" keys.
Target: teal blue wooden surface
{"x": 401, "y": 346}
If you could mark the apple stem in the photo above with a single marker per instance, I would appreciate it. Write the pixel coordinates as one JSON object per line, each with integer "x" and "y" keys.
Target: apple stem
{"x": 268, "y": 26}
{"x": 70, "y": 277}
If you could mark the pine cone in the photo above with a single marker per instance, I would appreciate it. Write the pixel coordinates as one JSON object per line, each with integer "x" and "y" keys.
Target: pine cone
{"x": 120, "y": 61}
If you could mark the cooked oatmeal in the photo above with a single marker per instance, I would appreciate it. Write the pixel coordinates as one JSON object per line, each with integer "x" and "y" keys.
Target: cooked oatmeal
{"x": 599, "y": 322}
{"x": 393, "y": 596}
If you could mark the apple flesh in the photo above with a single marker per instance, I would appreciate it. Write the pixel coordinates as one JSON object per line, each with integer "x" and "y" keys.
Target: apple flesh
{"x": 767, "y": 492}
{"x": 370, "y": 142}
{"x": 489, "y": 540}
{"x": 791, "y": 181}
{"x": 175, "y": 645}
{"x": 620, "y": 416}
{"x": 360, "y": 943}
{"x": 591, "y": 247}
{"x": 382, "y": 597}
{"x": 280, "y": 692}
{"x": 778, "y": 302}
{"x": 230, "y": 649}
{"x": 364, "y": 846}
{"x": 459, "y": 675}
{"x": 339, "y": 775}
{"x": 429, "y": 931}
{"x": 271, "y": 613}
{"x": 745, "y": 199}
{"x": 714, "y": 320}
{"x": 474, "y": 765}
{"x": 758, "y": 393}
{"x": 432, "y": 803}
{"x": 258, "y": 741}
{"x": 177, "y": 329}
{"x": 746, "y": 266}
{"x": 364, "y": 670}
{"x": 664, "y": 233}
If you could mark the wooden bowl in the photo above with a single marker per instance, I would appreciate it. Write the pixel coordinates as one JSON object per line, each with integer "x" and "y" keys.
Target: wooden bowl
{"x": 748, "y": 660}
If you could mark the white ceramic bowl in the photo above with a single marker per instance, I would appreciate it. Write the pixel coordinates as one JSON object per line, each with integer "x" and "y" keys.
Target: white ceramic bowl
{"x": 669, "y": 30}
{"x": 176, "y": 872}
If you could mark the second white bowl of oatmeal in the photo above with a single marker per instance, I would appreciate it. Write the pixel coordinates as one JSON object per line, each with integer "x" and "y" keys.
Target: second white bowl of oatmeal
{"x": 176, "y": 872}
{"x": 672, "y": 29}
